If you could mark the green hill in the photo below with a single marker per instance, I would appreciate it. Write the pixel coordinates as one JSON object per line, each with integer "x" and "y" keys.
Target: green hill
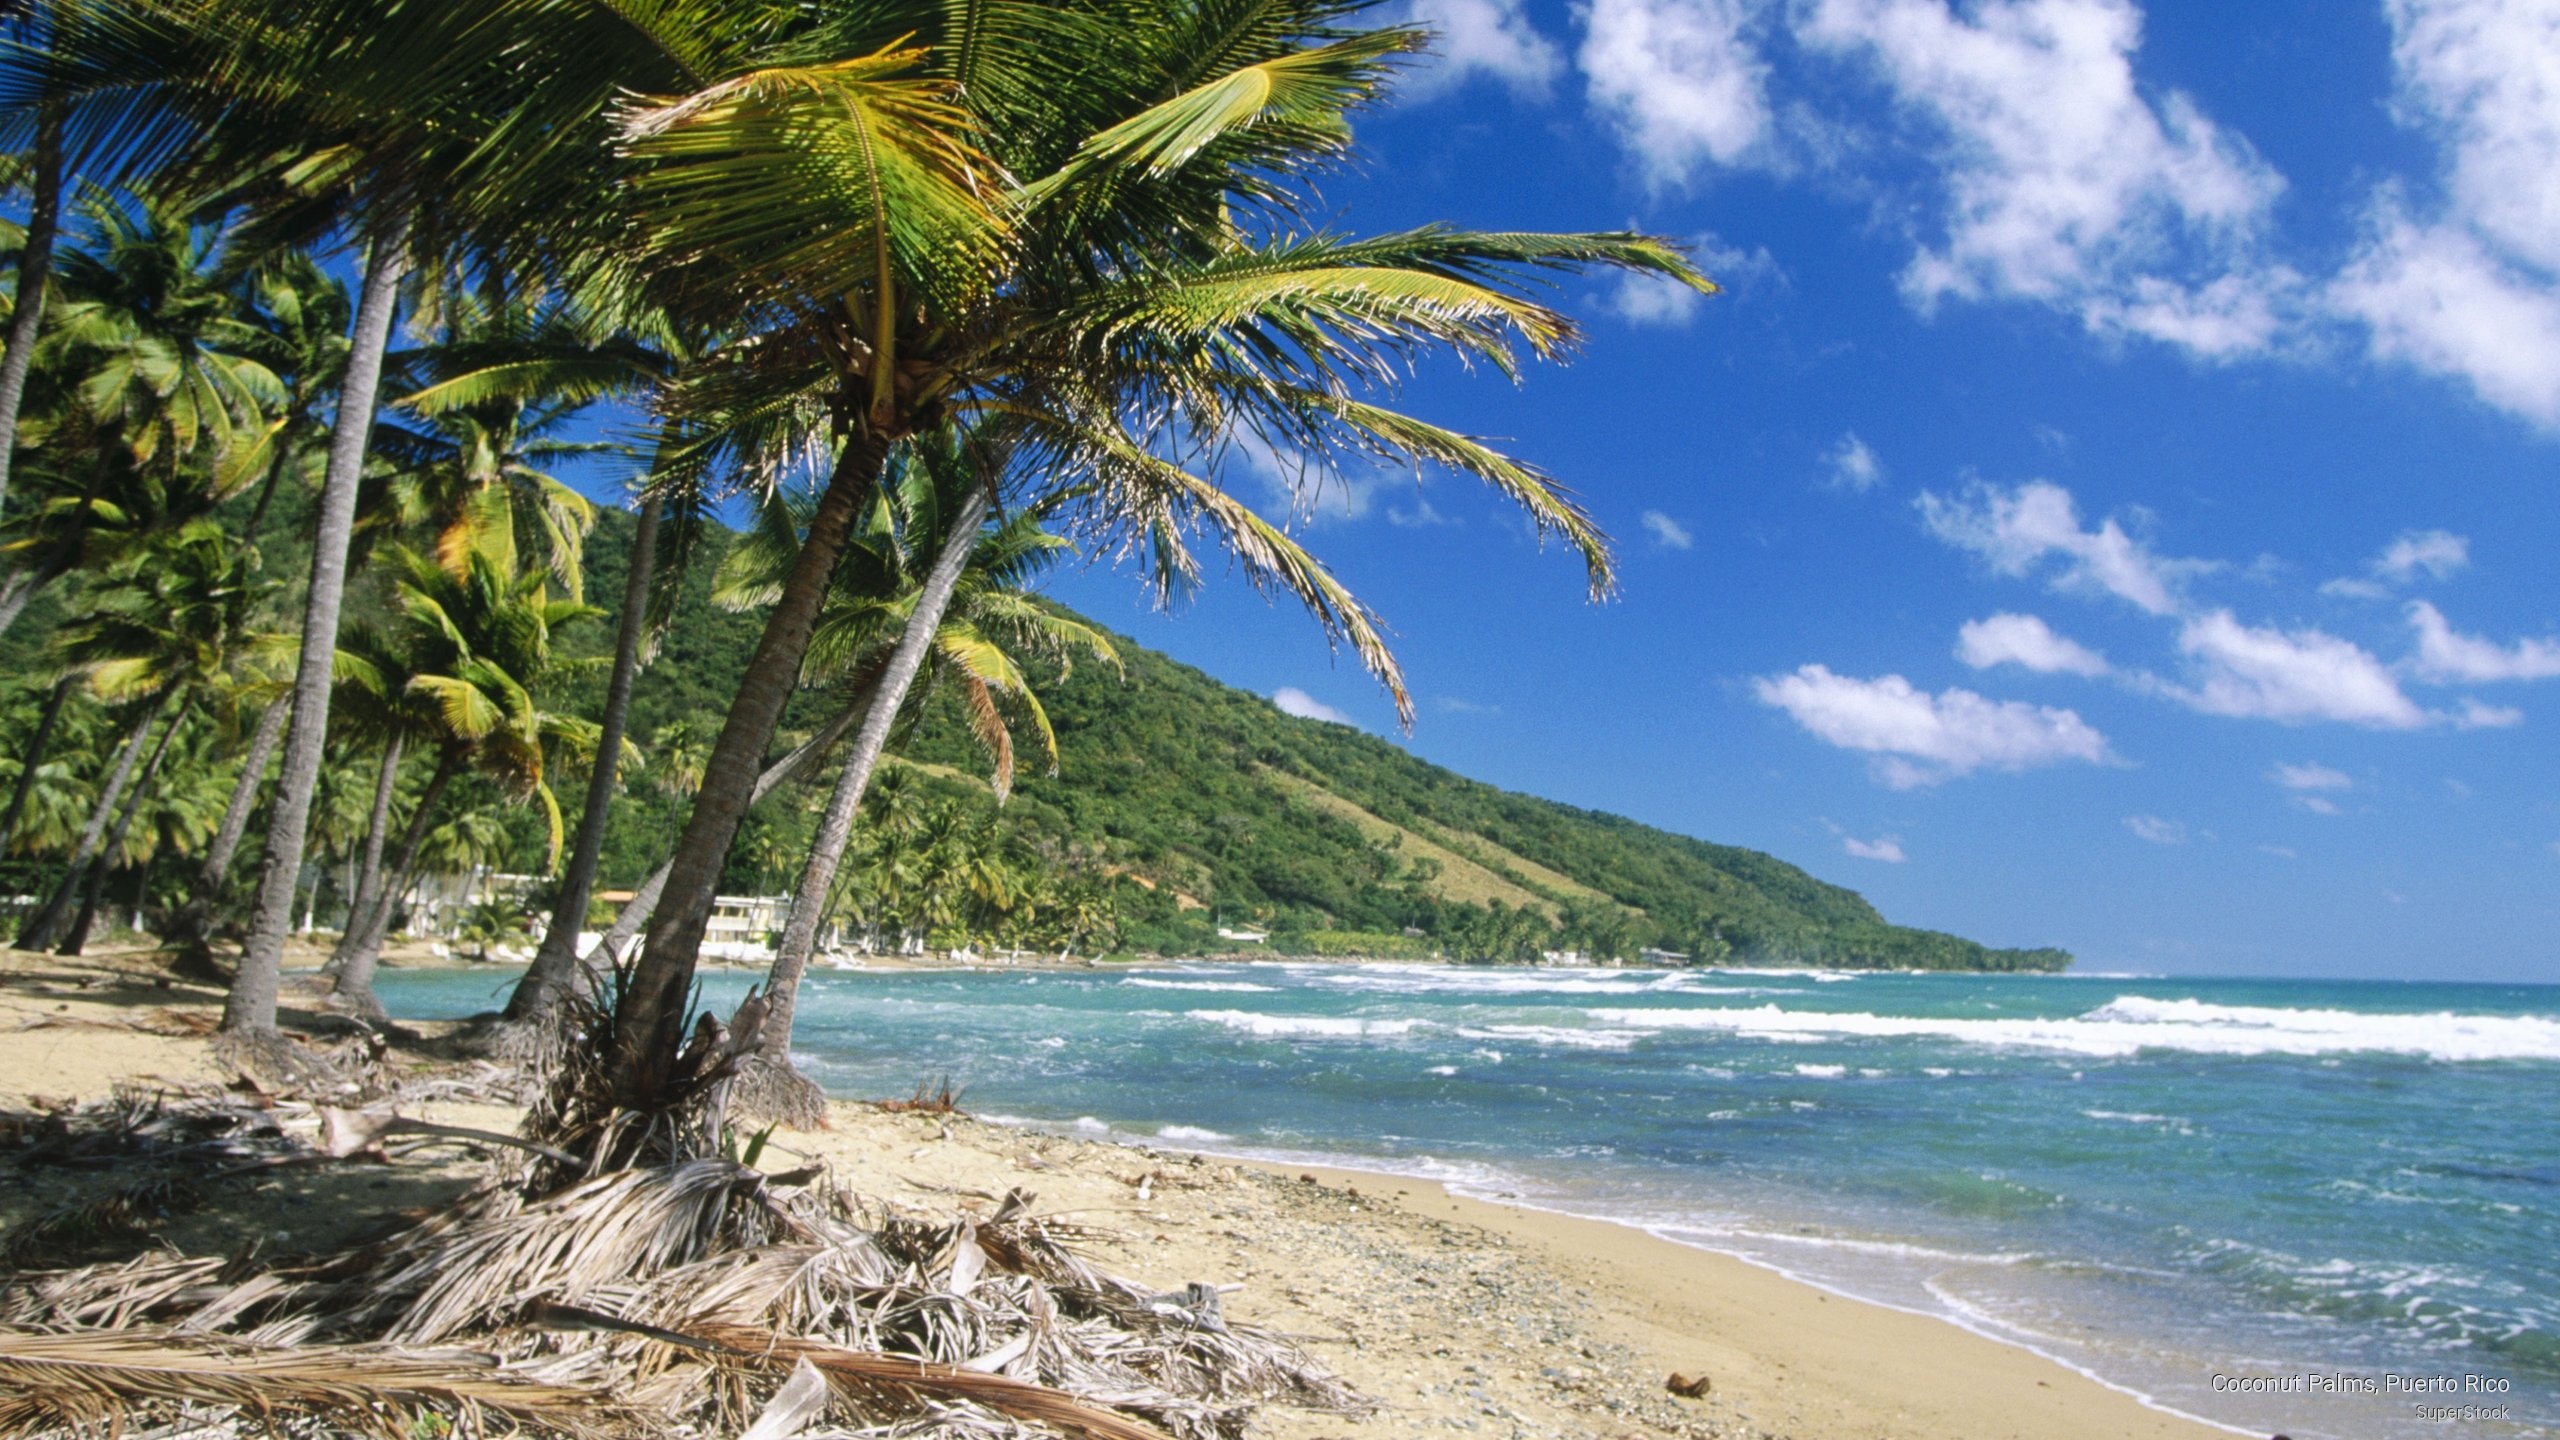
{"x": 1223, "y": 810}
{"x": 1340, "y": 842}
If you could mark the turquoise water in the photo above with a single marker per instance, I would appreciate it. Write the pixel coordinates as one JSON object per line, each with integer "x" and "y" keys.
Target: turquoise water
{"x": 2317, "y": 1185}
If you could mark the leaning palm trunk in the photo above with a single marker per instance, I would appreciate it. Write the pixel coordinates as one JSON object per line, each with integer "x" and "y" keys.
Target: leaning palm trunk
{"x": 35, "y": 268}
{"x": 33, "y": 757}
{"x": 773, "y": 1087}
{"x": 46, "y": 928}
{"x": 555, "y": 964}
{"x": 251, "y": 1008}
{"x": 96, "y": 890}
{"x": 354, "y": 985}
{"x": 635, "y": 913}
{"x": 368, "y": 886}
{"x": 649, "y": 1024}
{"x": 194, "y": 920}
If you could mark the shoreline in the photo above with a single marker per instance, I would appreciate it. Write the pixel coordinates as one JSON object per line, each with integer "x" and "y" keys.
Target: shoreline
{"x": 1455, "y": 1312}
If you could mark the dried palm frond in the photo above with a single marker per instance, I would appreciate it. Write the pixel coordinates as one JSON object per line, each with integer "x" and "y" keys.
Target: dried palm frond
{"x": 100, "y": 1380}
{"x": 869, "y": 1377}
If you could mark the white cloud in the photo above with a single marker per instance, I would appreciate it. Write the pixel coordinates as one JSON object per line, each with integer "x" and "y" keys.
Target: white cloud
{"x": 1853, "y": 465}
{"x": 2311, "y": 777}
{"x": 1457, "y": 705}
{"x": 2302, "y": 675}
{"x": 1293, "y": 701}
{"x": 2014, "y": 530}
{"x": 1887, "y": 848}
{"x": 2469, "y": 291}
{"x": 2156, "y": 830}
{"x": 2446, "y": 655}
{"x": 2476, "y": 716}
{"x": 1670, "y": 534}
{"x": 1922, "y": 738}
{"x": 2027, "y": 641}
{"x": 1653, "y": 300}
{"x": 2437, "y": 553}
{"x": 2064, "y": 183}
{"x": 1681, "y": 82}
{"x": 1310, "y": 490}
{"x": 2308, "y": 781}
{"x": 2281, "y": 852}
{"x": 1492, "y": 38}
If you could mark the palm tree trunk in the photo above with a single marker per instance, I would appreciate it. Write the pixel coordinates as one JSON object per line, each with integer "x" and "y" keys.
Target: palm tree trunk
{"x": 650, "y": 1022}
{"x": 195, "y": 918}
{"x": 368, "y": 886}
{"x": 835, "y": 831}
{"x": 354, "y": 985}
{"x": 555, "y": 964}
{"x": 35, "y": 270}
{"x": 78, "y": 939}
{"x": 22, "y": 586}
{"x": 46, "y": 928}
{"x": 644, "y": 901}
{"x": 33, "y": 757}
{"x": 251, "y": 1007}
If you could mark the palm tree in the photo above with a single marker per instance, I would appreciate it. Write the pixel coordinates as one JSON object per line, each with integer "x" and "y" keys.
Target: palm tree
{"x": 478, "y": 644}
{"x": 74, "y": 87}
{"x": 886, "y": 618}
{"x": 938, "y": 220}
{"x": 171, "y": 625}
{"x": 156, "y": 402}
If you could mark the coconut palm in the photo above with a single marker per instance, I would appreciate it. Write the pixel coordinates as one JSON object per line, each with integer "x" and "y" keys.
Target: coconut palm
{"x": 156, "y": 404}
{"x": 74, "y": 87}
{"x": 921, "y": 565}
{"x": 171, "y": 625}
{"x": 931, "y": 215}
{"x": 477, "y": 644}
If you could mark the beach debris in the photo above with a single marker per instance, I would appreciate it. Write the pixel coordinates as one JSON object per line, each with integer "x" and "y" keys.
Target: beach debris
{"x": 1689, "y": 1387}
{"x": 935, "y": 1096}
{"x": 801, "y": 1399}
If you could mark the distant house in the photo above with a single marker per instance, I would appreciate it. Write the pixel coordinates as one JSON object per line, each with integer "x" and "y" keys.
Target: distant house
{"x": 743, "y": 926}
{"x": 1243, "y": 937}
{"x": 1662, "y": 957}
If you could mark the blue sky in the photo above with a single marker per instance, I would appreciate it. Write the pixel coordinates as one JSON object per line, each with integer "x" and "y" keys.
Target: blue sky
{"x": 2112, "y": 506}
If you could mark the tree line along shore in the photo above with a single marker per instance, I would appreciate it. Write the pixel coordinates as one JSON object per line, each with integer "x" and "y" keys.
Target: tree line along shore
{"x": 313, "y": 306}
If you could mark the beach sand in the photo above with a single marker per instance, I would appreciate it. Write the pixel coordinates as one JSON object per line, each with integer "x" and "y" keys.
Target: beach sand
{"x": 1457, "y": 1316}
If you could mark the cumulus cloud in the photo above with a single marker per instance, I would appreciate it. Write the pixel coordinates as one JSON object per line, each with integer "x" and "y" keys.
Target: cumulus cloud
{"x": 1919, "y": 738}
{"x": 1312, "y": 491}
{"x": 2435, "y": 553}
{"x": 1668, "y": 533}
{"x": 1851, "y": 465}
{"x": 2446, "y": 655}
{"x": 1887, "y": 848}
{"x": 2026, "y": 641}
{"x": 2015, "y": 530}
{"x": 1293, "y": 701}
{"x": 2468, "y": 291}
{"x": 2292, "y": 676}
{"x": 1491, "y": 38}
{"x": 2156, "y": 830}
{"x": 1653, "y": 300}
{"x": 1680, "y": 80}
{"x": 2064, "y": 183}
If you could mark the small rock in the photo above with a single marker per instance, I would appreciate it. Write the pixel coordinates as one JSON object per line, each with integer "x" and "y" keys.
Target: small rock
{"x": 1689, "y": 1387}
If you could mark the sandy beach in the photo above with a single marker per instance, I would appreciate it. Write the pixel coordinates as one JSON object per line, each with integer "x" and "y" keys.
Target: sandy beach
{"x": 1452, "y": 1314}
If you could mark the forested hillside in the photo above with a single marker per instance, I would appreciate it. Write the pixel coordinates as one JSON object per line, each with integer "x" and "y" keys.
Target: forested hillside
{"x": 1223, "y": 810}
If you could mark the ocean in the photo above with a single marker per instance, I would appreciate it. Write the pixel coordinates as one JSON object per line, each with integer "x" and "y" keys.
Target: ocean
{"x": 2327, "y": 1208}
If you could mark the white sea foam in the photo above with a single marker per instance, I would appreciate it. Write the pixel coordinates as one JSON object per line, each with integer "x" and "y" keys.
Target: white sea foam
{"x": 1235, "y": 987}
{"x": 2130, "y": 1024}
{"x": 1516, "y": 980}
{"x": 1192, "y": 1133}
{"x": 1442, "y": 1070}
{"x": 1822, "y": 1072}
{"x": 1558, "y": 1035}
{"x": 1333, "y": 1027}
